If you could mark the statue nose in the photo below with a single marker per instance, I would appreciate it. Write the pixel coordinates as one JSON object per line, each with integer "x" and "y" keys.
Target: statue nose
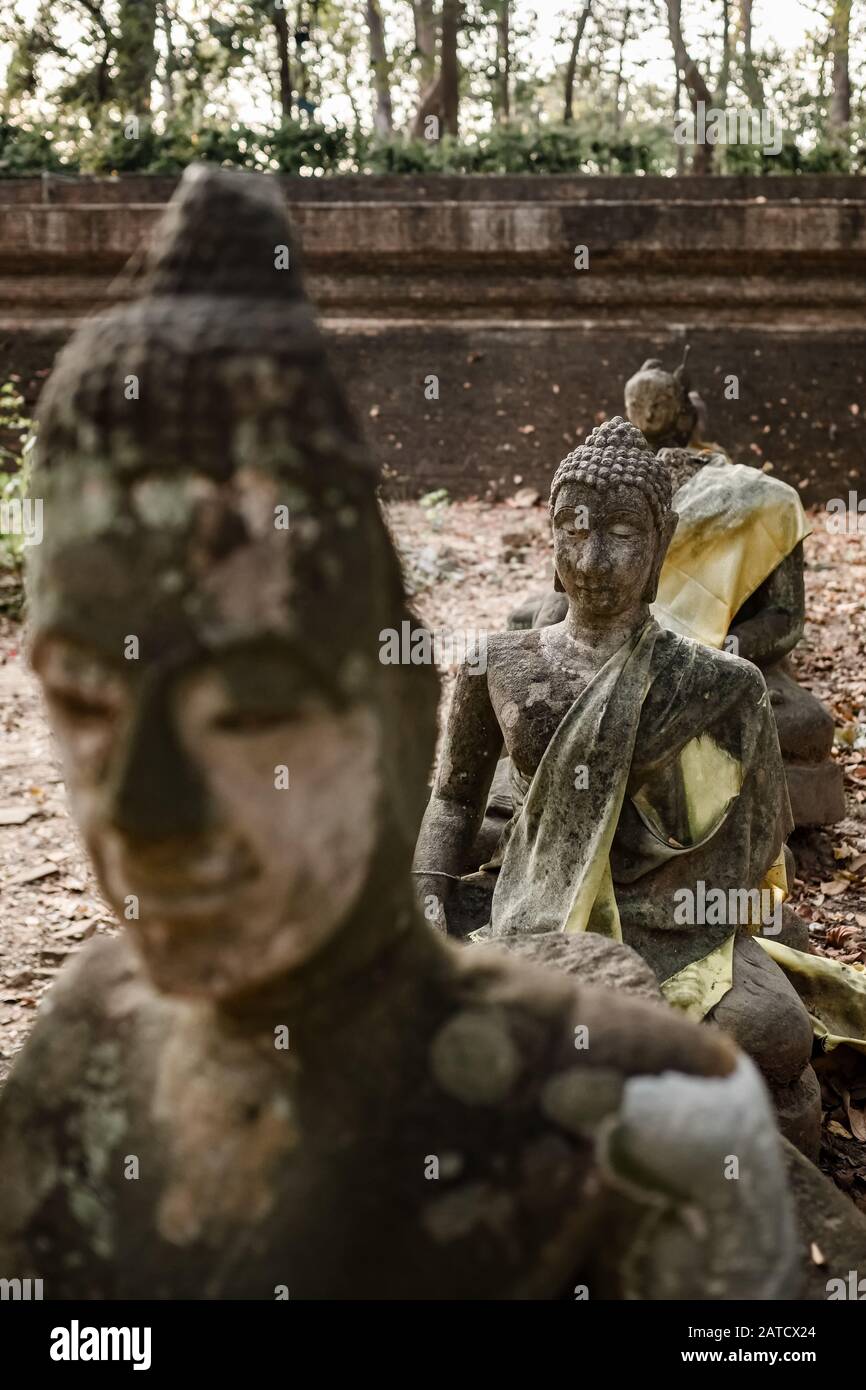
{"x": 157, "y": 791}
{"x": 594, "y": 557}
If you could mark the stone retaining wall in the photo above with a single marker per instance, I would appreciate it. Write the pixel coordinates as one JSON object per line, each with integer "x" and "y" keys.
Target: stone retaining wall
{"x": 473, "y": 281}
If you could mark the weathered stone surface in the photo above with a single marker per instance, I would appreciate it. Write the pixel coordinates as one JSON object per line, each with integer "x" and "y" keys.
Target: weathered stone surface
{"x": 473, "y": 280}
{"x": 798, "y": 1112}
{"x": 832, "y": 1232}
{"x": 795, "y": 930}
{"x": 593, "y": 959}
{"x": 816, "y": 791}
{"x": 765, "y": 1014}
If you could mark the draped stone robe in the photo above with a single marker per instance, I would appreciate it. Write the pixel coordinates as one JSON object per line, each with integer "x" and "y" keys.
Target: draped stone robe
{"x": 664, "y": 775}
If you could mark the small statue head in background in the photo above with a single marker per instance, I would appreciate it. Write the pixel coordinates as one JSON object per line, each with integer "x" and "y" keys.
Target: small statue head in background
{"x": 660, "y": 404}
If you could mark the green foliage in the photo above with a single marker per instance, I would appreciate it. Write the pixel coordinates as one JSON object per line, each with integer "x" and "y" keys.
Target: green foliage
{"x": 78, "y": 69}
{"x": 15, "y": 441}
{"x": 294, "y": 147}
{"x": 31, "y": 148}
{"x": 514, "y": 150}
{"x": 439, "y": 498}
{"x": 829, "y": 155}
{"x": 15, "y": 425}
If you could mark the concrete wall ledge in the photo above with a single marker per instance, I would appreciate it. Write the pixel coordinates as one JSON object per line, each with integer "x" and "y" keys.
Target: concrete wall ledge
{"x": 473, "y": 280}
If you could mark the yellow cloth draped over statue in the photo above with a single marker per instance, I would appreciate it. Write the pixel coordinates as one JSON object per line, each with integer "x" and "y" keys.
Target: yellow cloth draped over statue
{"x": 736, "y": 525}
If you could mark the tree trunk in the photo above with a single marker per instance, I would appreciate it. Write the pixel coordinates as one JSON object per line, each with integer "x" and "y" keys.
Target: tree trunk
{"x": 617, "y": 112}
{"x": 702, "y": 159}
{"x": 725, "y": 71}
{"x": 840, "y": 101}
{"x": 383, "y": 120}
{"x": 503, "y": 58}
{"x": 751, "y": 81}
{"x": 170, "y": 60}
{"x": 426, "y": 30}
{"x": 449, "y": 70}
{"x": 571, "y": 69}
{"x": 301, "y": 38}
{"x": 681, "y": 149}
{"x": 136, "y": 55}
{"x": 287, "y": 96}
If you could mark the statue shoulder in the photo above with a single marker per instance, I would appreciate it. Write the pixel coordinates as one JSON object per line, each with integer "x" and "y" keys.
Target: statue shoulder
{"x": 99, "y": 1003}
{"x": 68, "y": 1087}
{"x": 503, "y": 649}
{"x": 691, "y": 669}
{"x": 85, "y": 989}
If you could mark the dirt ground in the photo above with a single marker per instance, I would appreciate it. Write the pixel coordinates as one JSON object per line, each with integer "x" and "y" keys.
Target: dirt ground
{"x": 467, "y": 565}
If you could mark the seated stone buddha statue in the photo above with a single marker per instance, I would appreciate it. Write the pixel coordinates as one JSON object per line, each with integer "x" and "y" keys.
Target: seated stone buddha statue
{"x": 645, "y": 773}
{"x": 733, "y": 576}
{"x": 281, "y": 1081}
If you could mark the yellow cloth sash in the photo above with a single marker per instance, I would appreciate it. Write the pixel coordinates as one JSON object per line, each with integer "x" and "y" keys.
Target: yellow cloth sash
{"x": 834, "y": 994}
{"x": 555, "y": 871}
{"x": 698, "y": 987}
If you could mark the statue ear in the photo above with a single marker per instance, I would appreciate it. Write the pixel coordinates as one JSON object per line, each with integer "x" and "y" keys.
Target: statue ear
{"x": 557, "y": 582}
{"x": 667, "y": 535}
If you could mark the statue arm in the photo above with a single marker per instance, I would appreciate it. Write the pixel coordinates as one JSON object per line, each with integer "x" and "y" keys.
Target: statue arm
{"x": 778, "y": 625}
{"x": 471, "y": 747}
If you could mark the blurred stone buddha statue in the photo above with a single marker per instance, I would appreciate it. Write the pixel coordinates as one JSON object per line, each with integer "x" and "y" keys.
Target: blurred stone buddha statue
{"x": 645, "y": 773}
{"x": 733, "y": 576}
{"x": 281, "y": 1081}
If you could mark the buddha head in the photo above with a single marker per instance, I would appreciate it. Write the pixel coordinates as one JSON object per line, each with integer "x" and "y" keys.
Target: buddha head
{"x": 610, "y": 505}
{"x": 206, "y": 605}
{"x": 658, "y": 403}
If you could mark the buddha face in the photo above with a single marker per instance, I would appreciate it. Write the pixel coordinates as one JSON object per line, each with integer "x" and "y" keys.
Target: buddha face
{"x": 606, "y": 550}
{"x": 653, "y": 403}
{"x": 228, "y": 803}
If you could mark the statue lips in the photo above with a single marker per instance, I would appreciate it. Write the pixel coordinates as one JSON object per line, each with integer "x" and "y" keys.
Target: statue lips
{"x": 190, "y": 904}
{"x": 602, "y": 596}
{"x": 191, "y": 891}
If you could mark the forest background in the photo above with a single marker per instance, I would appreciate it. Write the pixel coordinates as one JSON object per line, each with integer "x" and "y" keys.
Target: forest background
{"x": 458, "y": 86}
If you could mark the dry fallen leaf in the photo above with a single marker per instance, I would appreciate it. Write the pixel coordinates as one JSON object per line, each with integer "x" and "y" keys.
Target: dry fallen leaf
{"x": 16, "y": 815}
{"x": 526, "y": 497}
{"x": 835, "y": 887}
{"x": 835, "y": 1128}
{"x": 31, "y": 875}
{"x": 856, "y": 1118}
{"x": 838, "y": 936}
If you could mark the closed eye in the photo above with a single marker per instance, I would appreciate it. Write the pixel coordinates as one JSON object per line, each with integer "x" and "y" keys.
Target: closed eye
{"x": 623, "y": 530}
{"x": 76, "y": 705}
